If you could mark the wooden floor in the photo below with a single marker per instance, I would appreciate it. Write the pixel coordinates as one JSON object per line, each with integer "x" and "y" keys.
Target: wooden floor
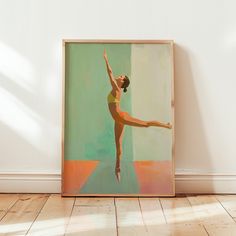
{"x": 49, "y": 215}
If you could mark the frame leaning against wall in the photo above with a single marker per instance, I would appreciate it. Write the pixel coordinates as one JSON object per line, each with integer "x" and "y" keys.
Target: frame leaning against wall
{"x": 68, "y": 41}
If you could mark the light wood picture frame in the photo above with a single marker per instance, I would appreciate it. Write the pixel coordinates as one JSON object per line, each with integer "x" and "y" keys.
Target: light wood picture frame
{"x": 118, "y": 118}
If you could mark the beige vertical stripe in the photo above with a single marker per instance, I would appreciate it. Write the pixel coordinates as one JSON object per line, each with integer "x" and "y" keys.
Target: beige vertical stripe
{"x": 151, "y": 76}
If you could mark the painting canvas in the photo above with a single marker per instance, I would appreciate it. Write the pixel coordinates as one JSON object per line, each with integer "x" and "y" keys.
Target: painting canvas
{"x": 118, "y": 118}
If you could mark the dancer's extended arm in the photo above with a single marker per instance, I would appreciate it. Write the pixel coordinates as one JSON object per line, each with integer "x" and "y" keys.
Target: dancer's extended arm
{"x": 109, "y": 71}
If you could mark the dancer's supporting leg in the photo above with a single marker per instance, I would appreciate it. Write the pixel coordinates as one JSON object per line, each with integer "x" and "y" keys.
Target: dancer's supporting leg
{"x": 119, "y": 131}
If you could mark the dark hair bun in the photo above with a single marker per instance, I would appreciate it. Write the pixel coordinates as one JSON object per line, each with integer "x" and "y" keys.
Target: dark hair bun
{"x": 125, "y": 84}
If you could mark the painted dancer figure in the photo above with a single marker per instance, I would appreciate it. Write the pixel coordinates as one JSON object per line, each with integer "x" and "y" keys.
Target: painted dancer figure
{"x": 122, "y": 118}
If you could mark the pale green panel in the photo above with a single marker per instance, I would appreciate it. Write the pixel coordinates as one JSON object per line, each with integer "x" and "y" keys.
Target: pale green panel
{"x": 151, "y": 73}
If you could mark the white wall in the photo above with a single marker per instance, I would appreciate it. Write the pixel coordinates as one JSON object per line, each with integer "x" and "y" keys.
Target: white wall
{"x": 31, "y": 77}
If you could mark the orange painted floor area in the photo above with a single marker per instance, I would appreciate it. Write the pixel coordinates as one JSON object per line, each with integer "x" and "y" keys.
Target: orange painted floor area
{"x": 154, "y": 177}
{"x": 76, "y": 174}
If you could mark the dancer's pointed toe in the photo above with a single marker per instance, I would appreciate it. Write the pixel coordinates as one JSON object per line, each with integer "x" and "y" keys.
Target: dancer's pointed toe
{"x": 117, "y": 173}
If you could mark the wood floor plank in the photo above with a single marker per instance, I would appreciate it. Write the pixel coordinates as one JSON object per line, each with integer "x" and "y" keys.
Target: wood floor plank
{"x": 129, "y": 217}
{"x": 212, "y": 215}
{"x": 30, "y": 203}
{"x": 180, "y": 217}
{"x": 177, "y": 210}
{"x": 229, "y": 203}
{"x": 209, "y": 210}
{"x": 221, "y": 230}
{"x": 152, "y": 211}
{"x": 94, "y": 201}
{"x": 6, "y": 202}
{"x": 54, "y": 216}
{"x": 92, "y": 221}
{"x": 153, "y": 217}
{"x": 17, "y": 223}
{"x": 22, "y": 214}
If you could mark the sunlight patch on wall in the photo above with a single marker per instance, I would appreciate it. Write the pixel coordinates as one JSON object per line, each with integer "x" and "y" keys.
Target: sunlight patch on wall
{"x": 19, "y": 118}
{"x": 15, "y": 67}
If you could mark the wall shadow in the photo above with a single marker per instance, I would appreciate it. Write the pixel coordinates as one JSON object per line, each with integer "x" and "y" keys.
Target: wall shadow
{"x": 191, "y": 145}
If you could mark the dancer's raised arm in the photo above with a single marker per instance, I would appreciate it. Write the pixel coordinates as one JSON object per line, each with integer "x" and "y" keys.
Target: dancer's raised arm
{"x": 109, "y": 71}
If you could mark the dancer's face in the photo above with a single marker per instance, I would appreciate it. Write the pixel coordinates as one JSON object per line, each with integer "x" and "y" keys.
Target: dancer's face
{"x": 120, "y": 80}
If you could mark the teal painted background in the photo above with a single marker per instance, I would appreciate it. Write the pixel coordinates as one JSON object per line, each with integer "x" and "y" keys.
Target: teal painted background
{"x": 89, "y": 128}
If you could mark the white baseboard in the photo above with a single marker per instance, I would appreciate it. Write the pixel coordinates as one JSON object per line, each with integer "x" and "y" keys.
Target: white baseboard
{"x": 24, "y": 182}
{"x": 202, "y": 183}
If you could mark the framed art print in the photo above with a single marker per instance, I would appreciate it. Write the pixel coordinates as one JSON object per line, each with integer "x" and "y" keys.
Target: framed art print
{"x": 118, "y": 118}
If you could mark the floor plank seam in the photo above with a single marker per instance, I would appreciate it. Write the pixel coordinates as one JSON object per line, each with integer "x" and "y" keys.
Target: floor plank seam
{"x": 5, "y": 212}
{"x": 205, "y": 229}
{"x": 116, "y": 216}
{"x": 224, "y": 208}
{"x": 72, "y": 208}
{"x": 37, "y": 215}
{"x": 8, "y": 210}
{"x": 163, "y": 211}
{"x": 199, "y": 221}
{"x": 146, "y": 228}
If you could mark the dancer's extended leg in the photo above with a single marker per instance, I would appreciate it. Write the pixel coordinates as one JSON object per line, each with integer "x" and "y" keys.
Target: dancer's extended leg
{"x": 119, "y": 131}
{"x": 127, "y": 119}
{"x": 160, "y": 124}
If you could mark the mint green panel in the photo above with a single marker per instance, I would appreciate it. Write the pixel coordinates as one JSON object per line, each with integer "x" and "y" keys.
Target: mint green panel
{"x": 89, "y": 127}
